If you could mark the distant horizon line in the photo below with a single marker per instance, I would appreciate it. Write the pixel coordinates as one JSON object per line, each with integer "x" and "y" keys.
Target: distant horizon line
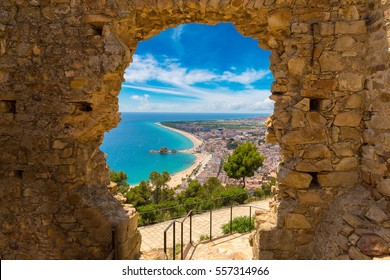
{"x": 263, "y": 112}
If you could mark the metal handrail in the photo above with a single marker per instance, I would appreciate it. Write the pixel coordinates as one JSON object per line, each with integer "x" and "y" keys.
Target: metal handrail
{"x": 189, "y": 215}
{"x": 191, "y": 205}
{"x": 182, "y": 255}
{"x": 174, "y": 237}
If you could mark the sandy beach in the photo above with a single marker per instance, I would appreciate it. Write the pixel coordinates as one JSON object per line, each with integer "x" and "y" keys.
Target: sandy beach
{"x": 201, "y": 158}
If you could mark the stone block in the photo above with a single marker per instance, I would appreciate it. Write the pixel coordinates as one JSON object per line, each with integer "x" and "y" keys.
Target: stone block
{"x": 294, "y": 179}
{"x": 346, "y": 230}
{"x": 331, "y": 62}
{"x": 297, "y": 119}
{"x": 317, "y": 151}
{"x": 315, "y": 120}
{"x": 345, "y": 164}
{"x": 276, "y": 239}
{"x": 310, "y": 198}
{"x": 343, "y": 149}
{"x": 373, "y": 245}
{"x": 316, "y": 93}
{"x": 330, "y": 84}
{"x": 279, "y": 21}
{"x": 350, "y": 134}
{"x": 354, "y": 221}
{"x": 300, "y": 28}
{"x": 351, "y": 81}
{"x": 351, "y": 27}
{"x": 326, "y": 28}
{"x": 355, "y": 254}
{"x": 384, "y": 187}
{"x": 338, "y": 179}
{"x": 342, "y": 242}
{"x": 344, "y": 43}
{"x": 296, "y": 66}
{"x": 305, "y": 136}
{"x": 314, "y": 165}
{"x": 376, "y": 214}
{"x": 354, "y": 101}
{"x": 303, "y": 105}
{"x": 351, "y": 118}
{"x": 297, "y": 221}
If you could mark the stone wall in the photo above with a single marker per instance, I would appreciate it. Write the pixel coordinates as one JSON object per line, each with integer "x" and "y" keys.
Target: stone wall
{"x": 61, "y": 68}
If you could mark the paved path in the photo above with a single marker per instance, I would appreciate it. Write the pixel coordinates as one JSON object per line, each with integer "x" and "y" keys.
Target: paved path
{"x": 153, "y": 235}
{"x": 232, "y": 247}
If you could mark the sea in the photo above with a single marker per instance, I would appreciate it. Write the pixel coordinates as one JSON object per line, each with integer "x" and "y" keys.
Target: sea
{"x": 128, "y": 145}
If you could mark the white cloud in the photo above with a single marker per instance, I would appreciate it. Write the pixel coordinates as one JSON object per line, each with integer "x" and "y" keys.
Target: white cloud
{"x": 177, "y": 32}
{"x": 141, "y": 98}
{"x": 144, "y": 103}
{"x": 147, "y": 68}
{"x": 246, "y": 78}
{"x": 180, "y": 81}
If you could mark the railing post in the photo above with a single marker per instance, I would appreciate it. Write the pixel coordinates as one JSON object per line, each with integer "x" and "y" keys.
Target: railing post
{"x": 191, "y": 228}
{"x": 165, "y": 242}
{"x": 231, "y": 219}
{"x": 211, "y": 224}
{"x": 113, "y": 242}
{"x": 181, "y": 243}
{"x": 250, "y": 218}
{"x": 174, "y": 241}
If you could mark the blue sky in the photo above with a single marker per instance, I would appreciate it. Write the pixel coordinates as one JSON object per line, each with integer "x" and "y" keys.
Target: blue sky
{"x": 198, "y": 68}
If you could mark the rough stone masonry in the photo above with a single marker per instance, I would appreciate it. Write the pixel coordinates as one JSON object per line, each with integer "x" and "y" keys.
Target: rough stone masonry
{"x": 61, "y": 67}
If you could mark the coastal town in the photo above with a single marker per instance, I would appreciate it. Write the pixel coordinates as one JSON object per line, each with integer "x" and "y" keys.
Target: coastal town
{"x": 215, "y": 140}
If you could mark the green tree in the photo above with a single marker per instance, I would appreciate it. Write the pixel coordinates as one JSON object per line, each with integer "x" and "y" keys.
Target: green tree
{"x": 121, "y": 179}
{"x": 139, "y": 195}
{"x": 243, "y": 162}
{"x": 159, "y": 181}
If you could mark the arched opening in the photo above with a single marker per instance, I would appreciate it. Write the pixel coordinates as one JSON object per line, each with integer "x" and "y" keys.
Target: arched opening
{"x": 196, "y": 77}
{"x": 59, "y": 87}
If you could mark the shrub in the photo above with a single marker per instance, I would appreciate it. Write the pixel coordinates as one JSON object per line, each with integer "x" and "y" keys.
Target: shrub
{"x": 204, "y": 237}
{"x": 239, "y": 224}
{"x": 229, "y": 196}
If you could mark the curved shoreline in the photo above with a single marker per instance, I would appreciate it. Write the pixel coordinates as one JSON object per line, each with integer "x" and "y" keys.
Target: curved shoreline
{"x": 201, "y": 158}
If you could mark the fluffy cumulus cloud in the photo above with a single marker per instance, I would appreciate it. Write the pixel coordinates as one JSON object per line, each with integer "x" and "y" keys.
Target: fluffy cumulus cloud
{"x": 203, "y": 90}
{"x": 169, "y": 71}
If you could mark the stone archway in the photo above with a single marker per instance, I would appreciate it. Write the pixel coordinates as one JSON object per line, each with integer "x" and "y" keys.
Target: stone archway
{"x": 61, "y": 68}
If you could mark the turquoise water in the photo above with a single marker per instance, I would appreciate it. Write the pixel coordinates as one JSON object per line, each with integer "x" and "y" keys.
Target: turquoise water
{"x": 127, "y": 146}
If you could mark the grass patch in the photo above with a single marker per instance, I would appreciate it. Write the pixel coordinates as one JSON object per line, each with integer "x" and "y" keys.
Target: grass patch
{"x": 240, "y": 225}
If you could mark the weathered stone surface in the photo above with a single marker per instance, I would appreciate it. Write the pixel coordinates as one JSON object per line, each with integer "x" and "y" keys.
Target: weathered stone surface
{"x": 61, "y": 68}
{"x": 376, "y": 214}
{"x": 344, "y": 43}
{"x": 317, "y": 151}
{"x": 353, "y": 221}
{"x": 330, "y": 62}
{"x": 298, "y": 119}
{"x": 338, "y": 179}
{"x": 384, "y": 187}
{"x": 346, "y": 164}
{"x": 279, "y": 21}
{"x": 315, "y": 165}
{"x": 351, "y": 82}
{"x": 352, "y": 118}
{"x": 294, "y": 179}
{"x": 310, "y": 198}
{"x": 303, "y": 105}
{"x": 296, "y": 66}
{"x": 355, "y": 101}
{"x": 353, "y": 27}
{"x": 355, "y": 254}
{"x": 373, "y": 245}
{"x": 304, "y": 136}
{"x": 297, "y": 221}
